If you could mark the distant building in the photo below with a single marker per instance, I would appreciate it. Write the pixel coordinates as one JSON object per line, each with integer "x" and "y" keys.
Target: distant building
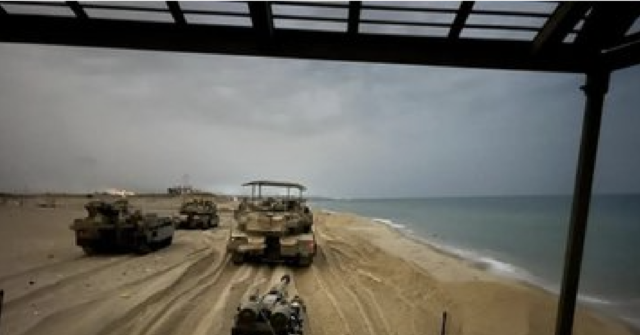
{"x": 117, "y": 192}
{"x": 178, "y": 190}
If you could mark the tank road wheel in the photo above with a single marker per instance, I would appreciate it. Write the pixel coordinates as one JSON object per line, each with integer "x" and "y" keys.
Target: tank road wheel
{"x": 305, "y": 261}
{"x": 167, "y": 241}
{"x": 205, "y": 224}
{"x": 237, "y": 258}
{"x": 143, "y": 247}
{"x": 89, "y": 250}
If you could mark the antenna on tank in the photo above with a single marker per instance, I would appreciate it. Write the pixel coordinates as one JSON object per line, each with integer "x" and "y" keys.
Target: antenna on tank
{"x": 184, "y": 186}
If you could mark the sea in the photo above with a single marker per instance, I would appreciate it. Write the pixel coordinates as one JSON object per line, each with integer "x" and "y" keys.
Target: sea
{"x": 524, "y": 237}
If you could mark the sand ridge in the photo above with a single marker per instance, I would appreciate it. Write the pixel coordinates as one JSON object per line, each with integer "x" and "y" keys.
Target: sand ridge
{"x": 366, "y": 279}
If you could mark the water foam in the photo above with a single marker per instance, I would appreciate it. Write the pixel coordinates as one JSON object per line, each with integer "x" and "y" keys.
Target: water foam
{"x": 593, "y": 300}
{"x": 477, "y": 258}
{"x": 488, "y": 263}
{"x": 389, "y": 223}
{"x": 487, "y": 260}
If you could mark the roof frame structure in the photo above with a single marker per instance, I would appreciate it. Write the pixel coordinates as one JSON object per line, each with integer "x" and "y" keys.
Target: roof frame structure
{"x": 557, "y": 27}
{"x": 602, "y": 44}
{"x": 78, "y": 10}
{"x": 548, "y": 51}
{"x": 355, "y": 8}
{"x": 460, "y": 19}
{"x": 262, "y": 19}
{"x": 606, "y": 25}
{"x": 176, "y": 13}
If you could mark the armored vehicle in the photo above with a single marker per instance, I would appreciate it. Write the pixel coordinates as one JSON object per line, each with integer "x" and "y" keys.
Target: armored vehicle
{"x": 198, "y": 213}
{"x": 273, "y": 228}
{"x": 272, "y": 313}
{"x": 114, "y": 226}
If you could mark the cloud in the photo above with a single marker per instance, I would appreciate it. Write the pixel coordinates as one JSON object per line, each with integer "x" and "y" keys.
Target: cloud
{"x": 80, "y": 119}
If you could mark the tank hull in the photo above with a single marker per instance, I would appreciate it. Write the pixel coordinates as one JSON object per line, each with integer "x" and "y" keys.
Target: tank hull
{"x": 198, "y": 221}
{"x": 297, "y": 250}
{"x": 115, "y": 229}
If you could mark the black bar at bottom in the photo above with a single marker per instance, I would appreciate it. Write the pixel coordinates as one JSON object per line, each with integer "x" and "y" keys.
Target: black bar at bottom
{"x": 595, "y": 90}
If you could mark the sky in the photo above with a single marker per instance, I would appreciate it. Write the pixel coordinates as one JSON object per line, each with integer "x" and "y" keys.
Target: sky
{"x": 82, "y": 119}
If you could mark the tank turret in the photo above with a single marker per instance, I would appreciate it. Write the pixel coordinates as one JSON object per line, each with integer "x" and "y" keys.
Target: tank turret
{"x": 273, "y": 228}
{"x": 271, "y": 313}
{"x": 114, "y": 226}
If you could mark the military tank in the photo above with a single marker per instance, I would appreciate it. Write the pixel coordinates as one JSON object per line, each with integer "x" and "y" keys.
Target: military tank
{"x": 273, "y": 228}
{"x": 272, "y": 313}
{"x": 198, "y": 214}
{"x": 114, "y": 226}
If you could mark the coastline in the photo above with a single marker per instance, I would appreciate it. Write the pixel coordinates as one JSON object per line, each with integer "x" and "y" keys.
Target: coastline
{"x": 453, "y": 271}
{"x": 368, "y": 278}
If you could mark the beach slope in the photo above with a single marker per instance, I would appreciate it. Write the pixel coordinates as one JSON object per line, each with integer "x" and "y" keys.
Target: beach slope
{"x": 367, "y": 279}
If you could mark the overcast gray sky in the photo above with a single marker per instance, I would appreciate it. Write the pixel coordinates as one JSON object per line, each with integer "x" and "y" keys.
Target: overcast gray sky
{"x": 81, "y": 119}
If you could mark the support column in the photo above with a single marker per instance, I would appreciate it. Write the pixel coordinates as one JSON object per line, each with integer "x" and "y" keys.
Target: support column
{"x": 1, "y": 303}
{"x": 595, "y": 89}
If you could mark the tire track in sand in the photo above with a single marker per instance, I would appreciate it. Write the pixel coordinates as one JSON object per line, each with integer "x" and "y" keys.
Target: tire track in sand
{"x": 97, "y": 267}
{"x": 164, "y": 306}
{"x": 111, "y": 304}
{"x": 64, "y": 282}
{"x": 214, "y": 317}
{"x": 344, "y": 278}
{"x": 379, "y": 287}
{"x": 89, "y": 316}
{"x": 330, "y": 285}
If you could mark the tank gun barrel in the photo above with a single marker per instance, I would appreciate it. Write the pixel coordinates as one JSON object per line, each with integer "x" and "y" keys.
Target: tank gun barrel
{"x": 282, "y": 286}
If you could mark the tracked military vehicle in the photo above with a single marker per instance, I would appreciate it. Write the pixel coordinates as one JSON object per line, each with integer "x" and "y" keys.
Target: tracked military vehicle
{"x": 198, "y": 214}
{"x": 114, "y": 226}
{"x": 272, "y": 313}
{"x": 273, "y": 228}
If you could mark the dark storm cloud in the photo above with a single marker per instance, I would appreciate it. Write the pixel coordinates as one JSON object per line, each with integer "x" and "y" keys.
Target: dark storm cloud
{"x": 82, "y": 119}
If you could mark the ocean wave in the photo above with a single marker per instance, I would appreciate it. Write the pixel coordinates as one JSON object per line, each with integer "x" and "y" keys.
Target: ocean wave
{"x": 389, "y": 223}
{"x": 483, "y": 261}
{"x": 593, "y": 300}
{"x": 495, "y": 262}
{"x": 479, "y": 259}
{"x": 500, "y": 266}
{"x": 491, "y": 264}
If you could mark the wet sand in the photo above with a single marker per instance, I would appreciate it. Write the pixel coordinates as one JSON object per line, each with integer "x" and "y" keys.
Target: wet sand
{"x": 367, "y": 279}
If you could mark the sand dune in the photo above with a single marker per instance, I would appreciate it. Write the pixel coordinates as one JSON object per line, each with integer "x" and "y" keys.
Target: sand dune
{"x": 367, "y": 279}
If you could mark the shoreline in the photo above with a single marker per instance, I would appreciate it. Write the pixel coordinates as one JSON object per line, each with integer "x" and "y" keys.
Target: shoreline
{"x": 367, "y": 278}
{"x": 494, "y": 269}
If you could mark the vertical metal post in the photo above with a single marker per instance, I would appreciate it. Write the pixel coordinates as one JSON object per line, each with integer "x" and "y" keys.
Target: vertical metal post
{"x": 1, "y": 302}
{"x": 443, "y": 326}
{"x": 597, "y": 85}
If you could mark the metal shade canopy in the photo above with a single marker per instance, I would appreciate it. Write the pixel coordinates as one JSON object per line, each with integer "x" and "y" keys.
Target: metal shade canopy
{"x": 559, "y": 37}
{"x": 284, "y": 184}
{"x": 593, "y": 38}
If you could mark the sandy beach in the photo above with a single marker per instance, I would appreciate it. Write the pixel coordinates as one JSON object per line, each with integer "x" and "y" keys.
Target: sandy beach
{"x": 367, "y": 279}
